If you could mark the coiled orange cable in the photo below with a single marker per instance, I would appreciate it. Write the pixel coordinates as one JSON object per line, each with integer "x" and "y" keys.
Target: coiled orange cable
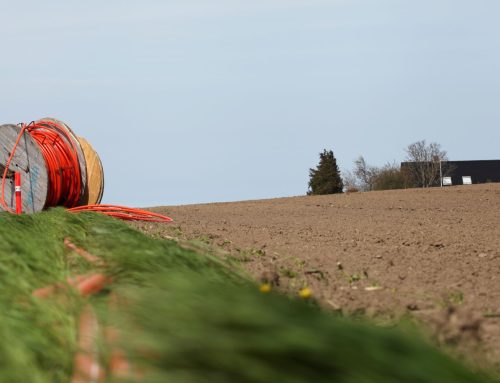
{"x": 59, "y": 151}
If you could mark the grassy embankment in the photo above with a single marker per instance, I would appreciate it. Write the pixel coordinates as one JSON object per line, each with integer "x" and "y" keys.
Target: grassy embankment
{"x": 183, "y": 316}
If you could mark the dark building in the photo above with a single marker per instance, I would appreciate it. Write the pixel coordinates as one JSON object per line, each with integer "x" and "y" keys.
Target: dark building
{"x": 480, "y": 171}
{"x": 464, "y": 172}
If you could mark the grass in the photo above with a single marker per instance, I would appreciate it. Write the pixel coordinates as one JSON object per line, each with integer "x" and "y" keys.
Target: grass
{"x": 184, "y": 316}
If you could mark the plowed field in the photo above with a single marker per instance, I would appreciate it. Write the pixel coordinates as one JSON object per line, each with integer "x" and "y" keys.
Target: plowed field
{"x": 431, "y": 254}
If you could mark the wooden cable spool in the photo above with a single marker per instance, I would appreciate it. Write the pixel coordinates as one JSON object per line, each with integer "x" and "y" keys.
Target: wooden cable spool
{"x": 29, "y": 162}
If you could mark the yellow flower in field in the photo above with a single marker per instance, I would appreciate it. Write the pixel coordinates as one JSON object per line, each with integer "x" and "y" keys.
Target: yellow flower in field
{"x": 305, "y": 293}
{"x": 265, "y": 288}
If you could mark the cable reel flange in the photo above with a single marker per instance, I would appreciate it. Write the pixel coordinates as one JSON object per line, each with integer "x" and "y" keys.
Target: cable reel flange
{"x": 28, "y": 160}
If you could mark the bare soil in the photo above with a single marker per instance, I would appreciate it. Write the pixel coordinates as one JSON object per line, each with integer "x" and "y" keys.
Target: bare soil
{"x": 431, "y": 254}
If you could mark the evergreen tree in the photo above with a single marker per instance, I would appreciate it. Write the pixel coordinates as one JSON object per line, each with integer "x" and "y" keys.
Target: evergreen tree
{"x": 325, "y": 179}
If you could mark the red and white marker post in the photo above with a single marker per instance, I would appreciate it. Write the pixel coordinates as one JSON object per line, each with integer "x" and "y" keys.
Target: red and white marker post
{"x": 19, "y": 201}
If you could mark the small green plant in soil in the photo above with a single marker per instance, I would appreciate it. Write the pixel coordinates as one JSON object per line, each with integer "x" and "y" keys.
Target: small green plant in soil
{"x": 289, "y": 273}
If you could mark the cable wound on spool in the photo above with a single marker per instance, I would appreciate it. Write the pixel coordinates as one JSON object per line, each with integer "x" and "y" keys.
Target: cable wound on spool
{"x": 68, "y": 134}
{"x": 65, "y": 165}
{"x": 64, "y": 162}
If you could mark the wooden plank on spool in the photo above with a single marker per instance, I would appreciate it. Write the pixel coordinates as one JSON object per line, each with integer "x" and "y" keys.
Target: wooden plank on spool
{"x": 28, "y": 160}
{"x": 81, "y": 156}
{"x": 95, "y": 175}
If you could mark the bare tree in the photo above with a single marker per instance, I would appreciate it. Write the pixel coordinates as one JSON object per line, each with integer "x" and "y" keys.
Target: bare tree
{"x": 424, "y": 163}
{"x": 364, "y": 173}
{"x": 350, "y": 181}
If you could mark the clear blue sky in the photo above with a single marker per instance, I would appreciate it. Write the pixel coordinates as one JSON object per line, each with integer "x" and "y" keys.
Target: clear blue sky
{"x": 215, "y": 100}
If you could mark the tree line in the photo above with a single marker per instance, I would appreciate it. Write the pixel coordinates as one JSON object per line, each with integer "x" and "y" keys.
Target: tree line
{"x": 425, "y": 165}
